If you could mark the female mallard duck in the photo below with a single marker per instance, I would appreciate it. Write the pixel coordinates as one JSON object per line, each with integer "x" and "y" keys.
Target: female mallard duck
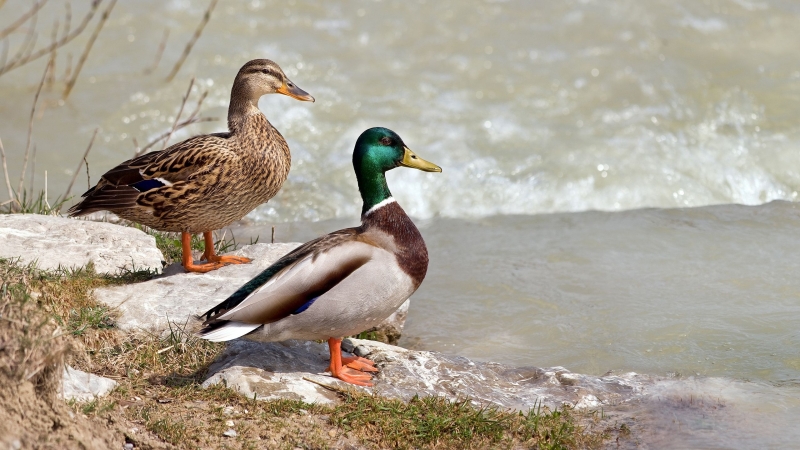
{"x": 341, "y": 283}
{"x": 206, "y": 182}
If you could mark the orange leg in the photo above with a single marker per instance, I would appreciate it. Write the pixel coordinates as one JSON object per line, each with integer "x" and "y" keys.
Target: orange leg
{"x": 210, "y": 256}
{"x": 344, "y": 373}
{"x": 188, "y": 261}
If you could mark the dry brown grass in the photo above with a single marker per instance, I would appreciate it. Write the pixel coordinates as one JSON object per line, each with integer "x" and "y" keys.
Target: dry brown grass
{"x": 160, "y": 403}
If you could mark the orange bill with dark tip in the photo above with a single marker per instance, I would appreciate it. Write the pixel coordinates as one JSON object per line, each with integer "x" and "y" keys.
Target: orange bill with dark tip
{"x": 293, "y": 91}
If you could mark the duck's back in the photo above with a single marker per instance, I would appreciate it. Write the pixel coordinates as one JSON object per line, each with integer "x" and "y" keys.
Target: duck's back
{"x": 201, "y": 184}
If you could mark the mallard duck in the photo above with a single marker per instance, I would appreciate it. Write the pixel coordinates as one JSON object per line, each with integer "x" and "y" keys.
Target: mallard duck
{"x": 344, "y": 282}
{"x": 206, "y": 182}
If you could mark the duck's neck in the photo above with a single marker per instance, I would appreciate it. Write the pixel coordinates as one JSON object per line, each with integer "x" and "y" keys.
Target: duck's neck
{"x": 242, "y": 106}
{"x": 374, "y": 191}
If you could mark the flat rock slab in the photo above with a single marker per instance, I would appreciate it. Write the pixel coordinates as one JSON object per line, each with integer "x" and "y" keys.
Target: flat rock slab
{"x": 83, "y": 387}
{"x": 54, "y": 242}
{"x": 178, "y": 295}
{"x": 295, "y": 370}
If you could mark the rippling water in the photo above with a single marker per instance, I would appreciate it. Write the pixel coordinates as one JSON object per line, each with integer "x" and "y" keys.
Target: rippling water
{"x": 530, "y": 108}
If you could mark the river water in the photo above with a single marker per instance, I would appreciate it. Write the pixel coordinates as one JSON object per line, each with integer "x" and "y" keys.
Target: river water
{"x": 582, "y": 143}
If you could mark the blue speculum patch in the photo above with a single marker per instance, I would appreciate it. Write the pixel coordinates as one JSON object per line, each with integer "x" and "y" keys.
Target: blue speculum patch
{"x": 146, "y": 185}
{"x": 305, "y": 306}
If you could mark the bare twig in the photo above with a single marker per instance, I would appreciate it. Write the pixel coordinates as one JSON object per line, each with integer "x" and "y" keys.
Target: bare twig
{"x": 22, "y": 19}
{"x": 11, "y": 195}
{"x": 159, "y": 53}
{"x": 85, "y": 154}
{"x": 67, "y": 19}
{"x": 193, "y": 40}
{"x": 88, "y": 179}
{"x": 180, "y": 111}
{"x": 178, "y": 125}
{"x": 273, "y": 234}
{"x": 17, "y": 62}
{"x": 166, "y": 134}
{"x": 89, "y": 44}
{"x": 28, "y": 44}
{"x": 30, "y": 129}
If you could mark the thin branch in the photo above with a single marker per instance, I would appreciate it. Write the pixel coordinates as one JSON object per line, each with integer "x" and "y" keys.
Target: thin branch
{"x": 180, "y": 111}
{"x": 89, "y": 44}
{"x": 30, "y": 129}
{"x": 67, "y": 19}
{"x": 22, "y": 19}
{"x": 192, "y": 41}
{"x": 88, "y": 179}
{"x": 159, "y": 53}
{"x": 28, "y": 44}
{"x": 80, "y": 163}
{"x": 181, "y": 125}
{"x": 63, "y": 41}
{"x": 11, "y": 195}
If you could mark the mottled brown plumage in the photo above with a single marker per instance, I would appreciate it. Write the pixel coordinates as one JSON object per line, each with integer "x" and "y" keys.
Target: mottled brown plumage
{"x": 206, "y": 182}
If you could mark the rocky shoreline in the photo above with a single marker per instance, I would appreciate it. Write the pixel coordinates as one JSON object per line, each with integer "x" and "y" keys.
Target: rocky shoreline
{"x": 294, "y": 370}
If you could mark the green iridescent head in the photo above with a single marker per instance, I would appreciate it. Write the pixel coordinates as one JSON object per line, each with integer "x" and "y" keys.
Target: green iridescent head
{"x": 378, "y": 150}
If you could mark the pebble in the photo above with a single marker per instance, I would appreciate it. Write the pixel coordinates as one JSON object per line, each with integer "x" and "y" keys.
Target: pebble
{"x": 128, "y": 446}
{"x": 230, "y": 433}
{"x": 228, "y": 410}
{"x": 332, "y": 433}
{"x": 361, "y": 351}
{"x": 347, "y": 345}
{"x": 228, "y": 423}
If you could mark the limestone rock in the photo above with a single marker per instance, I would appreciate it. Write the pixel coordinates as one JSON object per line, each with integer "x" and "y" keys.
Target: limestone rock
{"x": 83, "y": 387}
{"x": 293, "y": 370}
{"x": 177, "y": 296}
{"x": 57, "y": 241}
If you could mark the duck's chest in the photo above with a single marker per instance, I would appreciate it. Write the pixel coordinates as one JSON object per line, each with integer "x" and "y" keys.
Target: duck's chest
{"x": 263, "y": 166}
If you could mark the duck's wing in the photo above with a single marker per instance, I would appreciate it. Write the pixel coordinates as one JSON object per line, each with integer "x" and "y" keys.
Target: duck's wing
{"x": 120, "y": 187}
{"x": 290, "y": 285}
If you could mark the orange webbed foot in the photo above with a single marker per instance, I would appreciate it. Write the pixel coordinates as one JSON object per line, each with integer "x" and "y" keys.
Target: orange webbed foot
{"x": 349, "y": 373}
{"x": 210, "y": 255}
{"x": 359, "y": 363}
{"x": 226, "y": 259}
{"x": 354, "y": 377}
{"x": 202, "y": 268}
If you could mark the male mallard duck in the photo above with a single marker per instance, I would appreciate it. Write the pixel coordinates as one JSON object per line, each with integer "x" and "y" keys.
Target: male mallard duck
{"x": 344, "y": 282}
{"x": 206, "y": 182}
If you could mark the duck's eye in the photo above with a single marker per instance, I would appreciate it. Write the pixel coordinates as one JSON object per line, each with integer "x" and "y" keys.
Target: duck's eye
{"x": 386, "y": 141}
{"x": 264, "y": 71}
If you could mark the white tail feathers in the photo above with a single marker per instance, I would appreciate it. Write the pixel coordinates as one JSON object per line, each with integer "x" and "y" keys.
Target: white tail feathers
{"x": 230, "y": 330}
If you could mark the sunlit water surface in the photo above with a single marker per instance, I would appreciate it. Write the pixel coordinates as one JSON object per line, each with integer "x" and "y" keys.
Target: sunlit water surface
{"x": 537, "y": 112}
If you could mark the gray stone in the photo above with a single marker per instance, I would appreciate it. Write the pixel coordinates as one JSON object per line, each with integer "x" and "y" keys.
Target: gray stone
{"x": 54, "y": 242}
{"x": 294, "y": 370}
{"x": 177, "y": 296}
{"x": 83, "y": 387}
